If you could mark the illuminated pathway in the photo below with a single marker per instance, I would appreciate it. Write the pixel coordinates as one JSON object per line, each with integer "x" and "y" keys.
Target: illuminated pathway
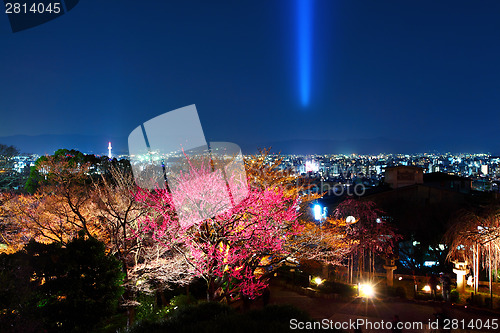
{"x": 320, "y": 308}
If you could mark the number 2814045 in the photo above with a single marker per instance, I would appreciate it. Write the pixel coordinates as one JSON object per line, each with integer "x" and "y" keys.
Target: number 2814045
{"x": 32, "y": 8}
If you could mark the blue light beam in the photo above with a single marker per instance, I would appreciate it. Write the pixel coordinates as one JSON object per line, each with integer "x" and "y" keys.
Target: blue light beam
{"x": 304, "y": 27}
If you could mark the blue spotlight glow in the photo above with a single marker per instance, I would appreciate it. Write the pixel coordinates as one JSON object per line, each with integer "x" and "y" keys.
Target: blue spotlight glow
{"x": 317, "y": 212}
{"x": 304, "y": 27}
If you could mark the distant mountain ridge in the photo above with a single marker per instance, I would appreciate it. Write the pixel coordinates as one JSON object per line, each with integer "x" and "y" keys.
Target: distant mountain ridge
{"x": 47, "y": 144}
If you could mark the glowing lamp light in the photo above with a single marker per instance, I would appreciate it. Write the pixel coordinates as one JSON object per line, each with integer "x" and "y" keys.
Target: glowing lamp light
{"x": 438, "y": 287}
{"x": 366, "y": 290}
{"x": 400, "y": 278}
{"x": 317, "y": 280}
{"x": 470, "y": 281}
{"x": 427, "y": 289}
{"x": 350, "y": 220}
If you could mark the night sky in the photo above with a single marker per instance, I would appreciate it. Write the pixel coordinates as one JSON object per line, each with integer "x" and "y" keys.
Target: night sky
{"x": 409, "y": 71}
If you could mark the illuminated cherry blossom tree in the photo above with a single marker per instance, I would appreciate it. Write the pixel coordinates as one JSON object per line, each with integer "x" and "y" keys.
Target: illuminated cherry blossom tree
{"x": 231, "y": 250}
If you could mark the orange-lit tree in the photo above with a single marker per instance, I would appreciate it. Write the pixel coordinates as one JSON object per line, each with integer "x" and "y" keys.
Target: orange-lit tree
{"x": 12, "y": 236}
{"x": 61, "y": 207}
{"x": 315, "y": 242}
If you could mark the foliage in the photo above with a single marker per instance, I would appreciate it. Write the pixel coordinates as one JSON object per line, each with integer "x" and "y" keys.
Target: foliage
{"x": 64, "y": 163}
{"x": 322, "y": 242}
{"x": 62, "y": 205}
{"x": 79, "y": 193}
{"x": 475, "y": 238}
{"x": 33, "y": 181}
{"x": 234, "y": 251}
{"x": 370, "y": 231}
{"x": 149, "y": 310}
{"x": 342, "y": 289}
{"x": 369, "y": 234}
{"x": 10, "y": 233}
{"x": 228, "y": 249}
{"x": 63, "y": 289}
{"x": 8, "y": 151}
{"x": 326, "y": 242}
{"x": 216, "y": 317}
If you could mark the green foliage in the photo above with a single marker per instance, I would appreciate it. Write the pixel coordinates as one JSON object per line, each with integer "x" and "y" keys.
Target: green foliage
{"x": 150, "y": 311}
{"x": 147, "y": 310}
{"x": 182, "y": 300}
{"x": 454, "y": 296}
{"x": 62, "y": 289}
{"x": 74, "y": 159}
{"x": 216, "y": 317}
{"x": 33, "y": 181}
{"x": 333, "y": 287}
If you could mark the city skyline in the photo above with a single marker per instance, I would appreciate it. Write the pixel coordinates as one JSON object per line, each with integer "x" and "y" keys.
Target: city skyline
{"x": 420, "y": 76}
{"x": 48, "y": 144}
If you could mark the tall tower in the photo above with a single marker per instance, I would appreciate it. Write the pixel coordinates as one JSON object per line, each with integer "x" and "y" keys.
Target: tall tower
{"x": 109, "y": 150}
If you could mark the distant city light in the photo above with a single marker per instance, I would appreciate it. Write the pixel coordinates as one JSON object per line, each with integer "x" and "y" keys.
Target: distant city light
{"x": 430, "y": 263}
{"x": 312, "y": 166}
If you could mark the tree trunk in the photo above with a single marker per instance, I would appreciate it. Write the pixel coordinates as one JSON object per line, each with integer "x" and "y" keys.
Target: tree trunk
{"x": 210, "y": 290}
